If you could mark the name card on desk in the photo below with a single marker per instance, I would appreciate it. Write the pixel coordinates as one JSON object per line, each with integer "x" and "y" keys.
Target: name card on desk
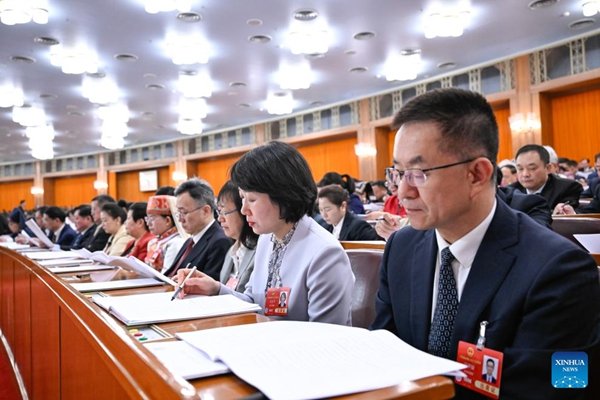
{"x": 309, "y": 360}
{"x": 152, "y": 308}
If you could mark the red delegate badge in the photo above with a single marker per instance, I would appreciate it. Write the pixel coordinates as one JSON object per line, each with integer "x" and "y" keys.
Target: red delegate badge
{"x": 277, "y": 301}
{"x": 484, "y": 370}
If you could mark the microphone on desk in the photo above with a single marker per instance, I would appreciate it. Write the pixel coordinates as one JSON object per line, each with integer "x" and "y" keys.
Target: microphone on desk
{"x": 180, "y": 286}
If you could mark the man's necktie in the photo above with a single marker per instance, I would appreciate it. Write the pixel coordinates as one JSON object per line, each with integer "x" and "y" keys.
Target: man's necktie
{"x": 446, "y": 307}
{"x": 188, "y": 248}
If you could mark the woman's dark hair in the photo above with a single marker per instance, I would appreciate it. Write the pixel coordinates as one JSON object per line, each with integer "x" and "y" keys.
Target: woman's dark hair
{"x": 335, "y": 194}
{"x": 230, "y": 191}
{"x": 278, "y": 170}
{"x": 333, "y": 178}
{"x": 115, "y": 211}
{"x": 138, "y": 211}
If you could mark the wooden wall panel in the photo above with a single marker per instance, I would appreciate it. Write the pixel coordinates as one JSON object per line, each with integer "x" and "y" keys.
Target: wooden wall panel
{"x": 576, "y": 124}
{"x": 82, "y": 357}
{"x": 128, "y": 184}
{"x": 7, "y": 313}
{"x": 216, "y": 171}
{"x": 331, "y": 155}
{"x": 505, "y": 150}
{"x": 45, "y": 352}
{"x": 13, "y": 192}
{"x": 70, "y": 191}
{"x": 22, "y": 309}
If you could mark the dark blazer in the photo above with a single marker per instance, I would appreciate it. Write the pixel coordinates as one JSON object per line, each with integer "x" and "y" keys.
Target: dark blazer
{"x": 485, "y": 378}
{"x": 533, "y": 205}
{"x": 354, "y": 228}
{"x": 557, "y": 190}
{"x": 98, "y": 240}
{"x": 594, "y": 205}
{"x": 208, "y": 254}
{"x": 538, "y": 291}
{"x": 67, "y": 236}
{"x": 82, "y": 239}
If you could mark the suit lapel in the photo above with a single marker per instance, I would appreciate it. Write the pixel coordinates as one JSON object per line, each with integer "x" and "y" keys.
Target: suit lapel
{"x": 490, "y": 267}
{"x": 422, "y": 271}
{"x": 345, "y": 226}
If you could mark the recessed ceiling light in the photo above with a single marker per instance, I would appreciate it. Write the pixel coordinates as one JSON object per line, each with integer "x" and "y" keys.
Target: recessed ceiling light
{"x": 48, "y": 96}
{"x": 364, "y": 35}
{"x": 189, "y": 17}
{"x": 410, "y": 52}
{"x": 314, "y": 55}
{"x": 149, "y": 76}
{"x": 582, "y": 23}
{"x": 97, "y": 75}
{"x": 537, "y": 4}
{"x": 305, "y": 15}
{"x": 254, "y": 22}
{"x": 565, "y": 14}
{"x": 259, "y": 39}
{"x": 155, "y": 86}
{"x": 126, "y": 57}
{"x": 359, "y": 70}
{"x": 22, "y": 59}
{"x": 350, "y": 52}
{"x": 244, "y": 105}
{"x": 45, "y": 40}
{"x": 237, "y": 84}
{"x": 446, "y": 65}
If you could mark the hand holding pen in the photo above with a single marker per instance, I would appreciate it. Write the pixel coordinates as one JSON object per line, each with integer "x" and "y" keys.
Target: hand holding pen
{"x": 180, "y": 286}
{"x": 564, "y": 209}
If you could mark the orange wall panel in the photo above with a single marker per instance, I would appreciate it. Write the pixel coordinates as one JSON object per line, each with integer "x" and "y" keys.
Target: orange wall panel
{"x": 505, "y": 150}
{"x": 128, "y": 184}
{"x": 331, "y": 155}
{"x": 11, "y": 193}
{"x": 576, "y": 124}
{"x": 69, "y": 191}
{"x": 216, "y": 171}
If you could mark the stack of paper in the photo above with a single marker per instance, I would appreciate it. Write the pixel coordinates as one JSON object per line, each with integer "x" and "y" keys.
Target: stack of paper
{"x": 128, "y": 263}
{"x": 308, "y": 360}
{"x": 111, "y": 285}
{"x": 184, "y": 360}
{"x": 31, "y": 224}
{"x": 14, "y": 246}
{"x": 150, "y": 308}
{"x": 51, "y": 255}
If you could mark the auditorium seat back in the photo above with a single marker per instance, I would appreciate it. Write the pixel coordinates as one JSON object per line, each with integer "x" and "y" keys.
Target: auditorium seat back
{"x": 365, "y": 266}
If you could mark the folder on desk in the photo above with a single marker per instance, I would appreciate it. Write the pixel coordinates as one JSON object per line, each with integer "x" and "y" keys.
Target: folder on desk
{"x": 151, "y": 308}
{"x": 309, "y": 360}
{"x": 184, "y": 360}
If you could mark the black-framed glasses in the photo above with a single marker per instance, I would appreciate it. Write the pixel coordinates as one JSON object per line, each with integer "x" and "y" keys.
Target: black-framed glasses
{"x": 223, "y": 213}
{"x": 416, "y": 177}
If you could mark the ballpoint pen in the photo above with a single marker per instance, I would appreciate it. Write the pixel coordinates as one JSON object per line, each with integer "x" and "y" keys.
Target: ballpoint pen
{"x": 182, "y": 283}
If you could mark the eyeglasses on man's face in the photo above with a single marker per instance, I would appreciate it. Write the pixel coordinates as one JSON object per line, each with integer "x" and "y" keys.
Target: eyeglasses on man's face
{"x": 416, "y": 177}
{"x": 183, "y": 214}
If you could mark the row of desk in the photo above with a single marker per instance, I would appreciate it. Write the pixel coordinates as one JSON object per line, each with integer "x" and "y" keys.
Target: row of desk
{"x": 66, "y": 347}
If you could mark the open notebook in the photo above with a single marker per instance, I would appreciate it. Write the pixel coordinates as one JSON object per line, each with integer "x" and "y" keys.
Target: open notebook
{"x": 150, "y": 308}
{"x": 309, "y": 360}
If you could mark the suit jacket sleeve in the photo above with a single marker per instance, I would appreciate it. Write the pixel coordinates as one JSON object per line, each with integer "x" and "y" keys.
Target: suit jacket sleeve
{"x": 384, "y": 318}
{"x": 216, "y": 256}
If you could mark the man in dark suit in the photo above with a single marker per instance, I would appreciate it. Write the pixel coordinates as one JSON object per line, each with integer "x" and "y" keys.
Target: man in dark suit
{"x": 488, "y": 375}
{"x": 333, "y": 206}
{"x": 468, "y": 257}
{"x": 62, "y": 234}
{"x": 207, "y": 247}
{"x": 534, "y": 177}
{"x": 85, "y": 227}
{"x": 100, "y": 236}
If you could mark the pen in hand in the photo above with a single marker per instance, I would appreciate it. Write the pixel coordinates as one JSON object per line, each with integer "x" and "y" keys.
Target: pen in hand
{"x": 180, "y": 286}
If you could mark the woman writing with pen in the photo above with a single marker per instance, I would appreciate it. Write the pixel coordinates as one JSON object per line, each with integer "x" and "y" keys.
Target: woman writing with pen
{"x": 294, "y": 254}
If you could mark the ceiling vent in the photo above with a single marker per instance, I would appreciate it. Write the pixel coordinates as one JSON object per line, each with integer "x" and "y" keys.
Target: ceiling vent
{"x": 305, "y": 15}
{"x": 582, "y": 23}
{"x": 189, "y": 17}
{"x": 45, "y": 40}
{"x": 22, "y": 59}
{"x": 537, "y": 4}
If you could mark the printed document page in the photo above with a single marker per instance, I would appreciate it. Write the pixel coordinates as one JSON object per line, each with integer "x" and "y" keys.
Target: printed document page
{"x": 50, "y": 255}
{"x": 158, "y": 307}
{"x": 591, "y": 241}
{"x": 122, "y": 284}
{"x": 185, "y": 360}
{"x": 281, "y": 357}
{"x": 39, "y": 233}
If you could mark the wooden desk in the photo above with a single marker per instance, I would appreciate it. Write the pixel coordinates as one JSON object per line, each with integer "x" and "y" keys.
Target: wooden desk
{"x": 363, "y": 244}
{"x": 66, "y": 347}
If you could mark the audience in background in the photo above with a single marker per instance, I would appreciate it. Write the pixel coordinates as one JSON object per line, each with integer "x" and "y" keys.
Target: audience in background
{"x": 60, "y": 233}
{"x": 239, "y": 260}
{"x": 508, "y": 173}
{"x": 113, "y": 222}
{"x": 165, "y": 191}
{"x": 84, "y": 223}
{"x": 347, "y": 182}
{"x": 380, "y": 191}
{"x": 100, "y": 237}
{"x": 162, "y": 223}
{"x": 333, "y": 206}
{"x": 136, "y": 227}
{"x": 207, "y": 246}
{"x": 535, "y": 176}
